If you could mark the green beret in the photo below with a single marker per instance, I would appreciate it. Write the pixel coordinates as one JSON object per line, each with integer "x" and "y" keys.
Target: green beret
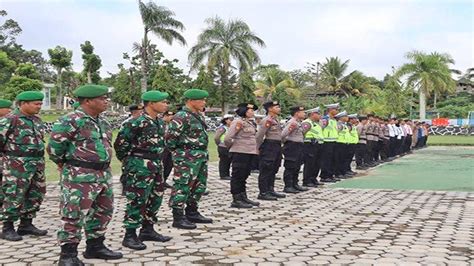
{"x": 90, "y": 91}
{"x": 196, "y": 94}
{"x": 5, "y": 103}
{"x": 30, "y": 96}
{"x": 154, "y": 96}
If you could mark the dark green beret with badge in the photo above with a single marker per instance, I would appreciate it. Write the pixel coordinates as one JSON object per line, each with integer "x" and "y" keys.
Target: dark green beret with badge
{"x": 5, "y": 103}
{"x": 154, "y": 96}
{"x": 196, "y": 94}
{"x": 90, "y": 91}
{"x": 29, "y": 96}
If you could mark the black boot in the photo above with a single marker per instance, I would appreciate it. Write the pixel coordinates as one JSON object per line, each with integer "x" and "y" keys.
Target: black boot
{"x": 300, "y": 188}
{"x": 95, "y": 249}
{"x": 291, "y": 190}
{"x": 238, "y": 202}
{"x": 309, "y": 184}
{"x": 227, "y": 178}
{"x": 148, "y": 233}
{"x": 180, "y": 221}
{"x": 130, "y": 240}
{"x": 26, "y": 227}
{"x": 9, "y": 233}
{"x": 266, "y": 196}
{"x": 68, "y": 256}
{"x": 194, "y": 216}
{"x": 247, "y": 200}
{"x": 275, "y": 194}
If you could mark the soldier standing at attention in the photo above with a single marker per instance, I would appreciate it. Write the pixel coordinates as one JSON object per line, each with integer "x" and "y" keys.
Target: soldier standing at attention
{"x": 242, "y": 148}
{"x": 330, "y": 134}
{"x": 81, "y": 146}
{"x": 222, "y": 149}
{"x": 313, "y": 141}
{"x": 23, "y": 186}
{"x": 187, "y": 140}
{"x": 292, "y": 137}
{"x": 5, "y": 108}
{"x": 167, "y": 159}
{"x": 269, "y": 146}
{"x": 139, "y": 146}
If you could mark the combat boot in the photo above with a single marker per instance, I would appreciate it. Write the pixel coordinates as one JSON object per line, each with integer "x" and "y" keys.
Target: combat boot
{"x": 68, "y": 256}
{"x": 26, "y": 227}
{"x": 275, "y": 194}
{"x": 247, "y": 200}
{"x": 266, "y": 196}
{"x": 180, "y": 221}
{"x": 291, "y": 190}
{"x": 193, "y": 215}
{"x": 130, "y": 240}
{"x": 95, "y": 249}
{"x": 9, "y": 233}
{"x": 300, "y": 188}
{"x": 238, "y": 202}
{"x": 148, "y": 233}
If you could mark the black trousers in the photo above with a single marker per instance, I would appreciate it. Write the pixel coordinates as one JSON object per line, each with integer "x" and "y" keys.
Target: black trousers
{"x": 376, "y": 151}
{"x": 350, "y": 155}
{"x": 393, "y": 146}
{"x": 293, "y": 152}
{"x": 311, "y": 160}
{"x": 328, "y": 160}
{"x": 224, "y": 161}
{"x": 341, "y": 151}
{"x": 167, "y": 164}
{"x": 241, "y": 167}
{"x": 408, "y": 142}
{"x": 362, "y": 158}
{"x": 269, "y": 163}
{"x": 373, "y": 149}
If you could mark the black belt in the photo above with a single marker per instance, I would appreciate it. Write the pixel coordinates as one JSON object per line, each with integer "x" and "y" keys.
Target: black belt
{"x": 272, "y": 141}
{"x": 147, "y": 155}
{"x": 36, "y": 154}
{"x": 90, "y": 165}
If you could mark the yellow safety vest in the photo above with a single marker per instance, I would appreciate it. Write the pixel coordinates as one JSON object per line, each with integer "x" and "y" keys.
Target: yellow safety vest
{"x": 354, "y": 135}
{"x": 342, "y": 134}
{"x": 223, "y": 134}
{"x": 330, "y": 133}
{"x": 315, "y": 132}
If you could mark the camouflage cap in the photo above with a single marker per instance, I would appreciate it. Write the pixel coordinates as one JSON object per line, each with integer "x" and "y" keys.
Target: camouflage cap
{"x": 154, "y": 96}
{"x": 30, "y": 96}
{"x": 5, "y": 103}
{"x": 90, "y": 91}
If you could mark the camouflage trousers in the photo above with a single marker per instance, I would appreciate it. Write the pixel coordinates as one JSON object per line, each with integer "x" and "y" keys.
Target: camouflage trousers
{"x": 144, "y": 191}
{"x": 87, "y": 205}
{"x": 23, "y": 187}
{"x": 190, "y": 181}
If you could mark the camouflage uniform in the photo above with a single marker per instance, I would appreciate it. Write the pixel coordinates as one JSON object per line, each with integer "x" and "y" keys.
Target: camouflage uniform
{"x": 139, "y": 145}
{"x": 81, "y": 146}
{"x": 21, "y": 139}
{"x": 187, "y": 140}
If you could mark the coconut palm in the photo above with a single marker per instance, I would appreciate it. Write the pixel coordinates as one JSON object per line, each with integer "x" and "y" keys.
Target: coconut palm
{"x": 271, "y": 79}
{"x": 226, "y": 46}
{"x": 160, "y": 21}
{"x": 428, "y": 73}
{"x": 333, "y": 74}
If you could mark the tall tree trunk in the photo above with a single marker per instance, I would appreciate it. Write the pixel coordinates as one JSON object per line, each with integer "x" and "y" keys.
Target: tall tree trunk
{"x": 435, "y": 99}
{"x": 59, "y": 92}
{"x": 144, "y": 65}
{"x": 89, "y": 77}
{"x": 224, "y": 88}
{"x": 422, "y": 104}
{"x": 133, "y": 87}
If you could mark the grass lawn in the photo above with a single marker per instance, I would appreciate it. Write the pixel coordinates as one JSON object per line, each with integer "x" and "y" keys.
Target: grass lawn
{"x": 451, "y": 140}
{"x": 52, "y": 173}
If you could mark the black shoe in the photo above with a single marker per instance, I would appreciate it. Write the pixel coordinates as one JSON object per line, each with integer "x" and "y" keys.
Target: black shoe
{"x": 247, "y": 200}
{"x": 148, "y": 233}
{"x": 347, "y": 176}
{"x": 238, "y": 202}
{"x": 68, "y": 256}
{"x": 227, "y": 178}
{"x": 300, "y": 188}
{"x": 180, "y": 221}
{"x": 277, "y": 194}
{"x": 9, "y": 233}
{"x": 130, "y": 240}
{"x": 266, "y": 196}
{"x": 95, "y": 249}
{"x": 193, "y": 215}
{"x": 26, "y": 227}
{"x": 291, "y": 190}
{"x": 329, "y": 180}
{"x": 309, "y": 184}
{"x": 206, "y": 193}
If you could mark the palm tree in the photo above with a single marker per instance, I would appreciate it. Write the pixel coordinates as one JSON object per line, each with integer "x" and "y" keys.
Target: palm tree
{"x": 333, "y": 74}
{"x": 223, "y": 43}
{"x": 272, "y": 79}
{"x": 160, "y": 21}
{"x": 427, "y": 73}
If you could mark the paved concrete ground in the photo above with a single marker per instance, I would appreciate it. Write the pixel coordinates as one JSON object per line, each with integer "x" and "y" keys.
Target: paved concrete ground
{"x": 321, "y": 226}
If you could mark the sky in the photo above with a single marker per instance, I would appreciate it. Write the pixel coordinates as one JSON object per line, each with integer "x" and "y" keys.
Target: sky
{"x": 373, "y": 35}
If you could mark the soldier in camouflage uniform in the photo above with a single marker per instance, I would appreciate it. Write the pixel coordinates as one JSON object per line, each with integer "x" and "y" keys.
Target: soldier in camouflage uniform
{"x": 80, "y": 145}
{"x": 139, "y": 146}
{"x": 23, "y": 186}
{"x": 5, "y": 108}
{"x": 187, "y": 140}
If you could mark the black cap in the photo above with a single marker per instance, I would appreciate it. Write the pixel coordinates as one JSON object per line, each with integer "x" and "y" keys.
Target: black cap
{"x": 270, "y": 104}
{"x": 295, "y": 109}
{"x": 135, "y": 107}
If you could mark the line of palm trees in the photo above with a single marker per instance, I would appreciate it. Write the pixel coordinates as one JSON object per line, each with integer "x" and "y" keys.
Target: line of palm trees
{"x": 228, "y": 46}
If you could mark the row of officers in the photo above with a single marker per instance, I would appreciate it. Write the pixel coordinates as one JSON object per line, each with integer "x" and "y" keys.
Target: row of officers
{"x": 324, "y": 143}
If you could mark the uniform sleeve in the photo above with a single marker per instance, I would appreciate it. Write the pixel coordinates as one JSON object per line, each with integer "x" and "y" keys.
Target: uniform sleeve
{"x": 175, "y": 129}
{"x": 60, "y": 139}
{"x": 5, "y": 123}
{"x": 217, "y": 136}
{"x": 359, "y": 130}
{"x": 123, "y": 142}
{"x": 305, "y": 127}
{"x": 265, "y": 124}
{"x": 289, "y": 127}
{"x": 229, "y": 137}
